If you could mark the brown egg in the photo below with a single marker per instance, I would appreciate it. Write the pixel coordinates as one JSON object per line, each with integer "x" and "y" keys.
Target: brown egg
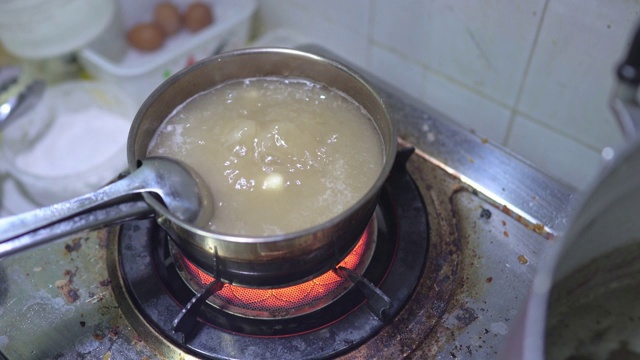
{"x": 167, "y": 16}
{"x": 197, "y": 16}
{"x": 146, "y": 36}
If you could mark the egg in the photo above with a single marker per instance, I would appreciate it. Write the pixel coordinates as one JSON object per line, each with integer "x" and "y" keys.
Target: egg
{"x": 167, "y": 16}
{"x": 197, "y": 16}
{"x": 146, "y": 36}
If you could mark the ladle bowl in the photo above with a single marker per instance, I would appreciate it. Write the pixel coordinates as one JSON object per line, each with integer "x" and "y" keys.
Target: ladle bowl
{"x": 181, "y": 190}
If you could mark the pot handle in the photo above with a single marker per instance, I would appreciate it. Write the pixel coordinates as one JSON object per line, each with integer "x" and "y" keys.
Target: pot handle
{"x": 624, "y": 101}
{"x": 32, "y": 228}
{"x": 629, "y": 70}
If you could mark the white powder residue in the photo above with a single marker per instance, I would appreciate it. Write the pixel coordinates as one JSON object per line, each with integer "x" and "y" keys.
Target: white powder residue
{"x": 500, "y": 328}
{"x": 75, "y": 142}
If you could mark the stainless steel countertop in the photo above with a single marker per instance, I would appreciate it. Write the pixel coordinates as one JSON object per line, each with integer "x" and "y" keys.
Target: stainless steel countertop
{"x": 494, "y": 171}
{"x": 495, "y": 268}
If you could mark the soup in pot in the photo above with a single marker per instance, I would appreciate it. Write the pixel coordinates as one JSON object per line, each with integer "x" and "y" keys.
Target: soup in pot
{"x": 279, "y": 154}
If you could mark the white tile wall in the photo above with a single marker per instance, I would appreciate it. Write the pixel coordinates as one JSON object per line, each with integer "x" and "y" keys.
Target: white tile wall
{"x": 533, "y": 75}
{"x": 470, "y": 109}
{"x": 571, "y": 73}
{"x": 553, "y": 152}
{"x": 342, "y": 26}
{"x": 405, "y": 74}
{"x": 466, "y": 40}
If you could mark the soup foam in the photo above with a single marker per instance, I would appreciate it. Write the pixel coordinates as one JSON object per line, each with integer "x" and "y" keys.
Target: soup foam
{"x": 279, "y": 154}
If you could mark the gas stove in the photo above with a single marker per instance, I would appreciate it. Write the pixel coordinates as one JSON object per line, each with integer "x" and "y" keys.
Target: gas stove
{"x": 448, "y": 259}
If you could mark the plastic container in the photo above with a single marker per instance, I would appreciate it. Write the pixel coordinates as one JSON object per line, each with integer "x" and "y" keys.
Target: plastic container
{"x": 110, "y": 58}
{"x": 81, "y": 147}
{"x": 38, "y": 29}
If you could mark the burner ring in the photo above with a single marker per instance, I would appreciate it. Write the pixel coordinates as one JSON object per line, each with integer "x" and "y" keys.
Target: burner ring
{"x": 150, "y": 311}
{"x": 284, "y": 302}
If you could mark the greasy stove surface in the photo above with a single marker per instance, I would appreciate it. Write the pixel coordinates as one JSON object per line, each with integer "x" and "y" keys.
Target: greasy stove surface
{"x": 491, "y": 218}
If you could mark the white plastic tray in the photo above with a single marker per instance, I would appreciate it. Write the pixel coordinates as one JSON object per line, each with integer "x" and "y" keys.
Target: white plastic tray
{"x": 110, "y": 58}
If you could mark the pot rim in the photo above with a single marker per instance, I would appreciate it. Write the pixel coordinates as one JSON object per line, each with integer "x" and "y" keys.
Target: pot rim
{"x": 390, "y": 148}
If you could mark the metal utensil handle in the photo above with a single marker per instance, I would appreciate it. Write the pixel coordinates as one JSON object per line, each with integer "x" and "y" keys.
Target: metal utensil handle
{"x": 629, "y": 70}
{"x": 624, "y": 102}
{"x": 8, "y": 76}
{"x": 130, "y": 209}
{"x": 14, "y": 226}
{"x": 19, "y": 104}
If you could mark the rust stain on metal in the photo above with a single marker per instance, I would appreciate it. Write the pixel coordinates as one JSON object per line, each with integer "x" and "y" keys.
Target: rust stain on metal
{"x": 103, "y": 235}
{"x": 69, "y": 293}
{"x": 460, "y": 314}
{"x": 466, "y": 316}
{"x": 75, "y": 245}
{"x": 538, "y": 228}
{"x": 436, "y": 288}
{"x": 71, "y": 274}
{"x": 113, "y": 332}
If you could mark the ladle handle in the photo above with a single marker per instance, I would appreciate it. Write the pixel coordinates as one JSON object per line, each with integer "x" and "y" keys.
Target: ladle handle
{"x": 14, "y": 228}
{"x": 629, "y": 69}
{"x": 624, "y": 100}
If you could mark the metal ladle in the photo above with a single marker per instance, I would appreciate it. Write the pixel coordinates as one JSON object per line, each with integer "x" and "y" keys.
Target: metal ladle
{"x": 16, "y": 105}
{"x": 183, "y": 192}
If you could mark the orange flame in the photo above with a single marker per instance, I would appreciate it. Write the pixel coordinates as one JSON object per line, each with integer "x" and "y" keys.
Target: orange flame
{"x": 286, "y": 297}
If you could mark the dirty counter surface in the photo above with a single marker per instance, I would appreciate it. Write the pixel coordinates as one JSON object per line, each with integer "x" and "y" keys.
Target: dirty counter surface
{"x": 491, "y": 218}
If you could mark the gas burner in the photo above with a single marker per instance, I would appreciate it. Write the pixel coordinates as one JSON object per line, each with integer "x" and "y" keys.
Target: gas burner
{"x": 490, "y": 218}
{"x": 266, "y": 312}
{"x": 176, "y": 306}
{"x": 280, "y": 302}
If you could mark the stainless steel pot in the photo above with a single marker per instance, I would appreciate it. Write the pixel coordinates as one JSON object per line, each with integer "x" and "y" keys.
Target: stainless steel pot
{"x": 268, "y": 261}
{"x": 273, "y": 260}
{"x": 574, "y": 307}
{"x": 584, "y": 298}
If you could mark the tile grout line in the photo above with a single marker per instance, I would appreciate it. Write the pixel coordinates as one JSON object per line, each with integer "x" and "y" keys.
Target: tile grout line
{"x": 445, "y": 76}
{"x": 514, "y": 112}
{"x": 514, "y": 108}
{"x": 566, "y": 135}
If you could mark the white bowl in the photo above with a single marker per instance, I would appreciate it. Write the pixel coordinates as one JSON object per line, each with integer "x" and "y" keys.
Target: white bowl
{"x": 82, "y": 148}
{"x": 38, "y": 29}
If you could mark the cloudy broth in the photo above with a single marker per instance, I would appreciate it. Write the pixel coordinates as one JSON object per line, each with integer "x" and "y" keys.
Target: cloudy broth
{"x": 279, "y": 155}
